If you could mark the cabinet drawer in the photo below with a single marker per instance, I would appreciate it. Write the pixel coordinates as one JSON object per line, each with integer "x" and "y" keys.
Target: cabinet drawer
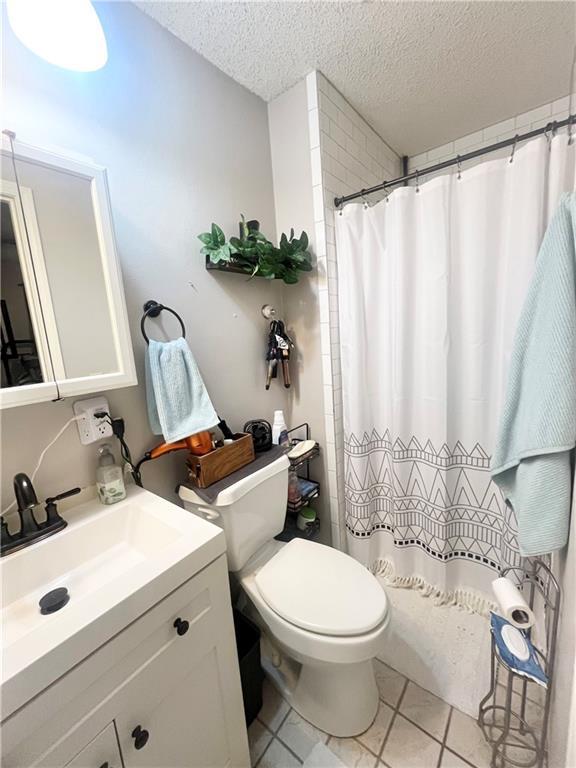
{"x": 101, "y": 751}
{"x": 86, "y": 694}
{"x": 74, "y": 752}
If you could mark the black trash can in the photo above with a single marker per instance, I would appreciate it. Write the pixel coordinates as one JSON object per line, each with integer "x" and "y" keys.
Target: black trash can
{"x": 251, "y": 673}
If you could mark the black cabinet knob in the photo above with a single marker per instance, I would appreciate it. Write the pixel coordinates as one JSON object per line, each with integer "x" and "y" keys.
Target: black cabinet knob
{"x": 140, "y": 737}
{"x": 104, "y": 765}
{"x": 182, "y": 626}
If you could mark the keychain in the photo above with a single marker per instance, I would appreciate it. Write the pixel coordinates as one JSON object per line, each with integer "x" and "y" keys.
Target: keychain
{"x": 279, "y": 347}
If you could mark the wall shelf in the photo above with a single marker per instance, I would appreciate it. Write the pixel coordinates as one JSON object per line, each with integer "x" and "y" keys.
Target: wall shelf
{"x": 233, "y": 269}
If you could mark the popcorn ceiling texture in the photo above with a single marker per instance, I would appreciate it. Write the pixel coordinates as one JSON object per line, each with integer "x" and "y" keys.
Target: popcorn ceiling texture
{"x": 421, "y": 74}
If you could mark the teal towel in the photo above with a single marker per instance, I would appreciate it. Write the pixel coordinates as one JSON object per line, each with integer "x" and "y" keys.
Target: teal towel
{"x": 178, "y": 403}
{"x": 532, "y": 459}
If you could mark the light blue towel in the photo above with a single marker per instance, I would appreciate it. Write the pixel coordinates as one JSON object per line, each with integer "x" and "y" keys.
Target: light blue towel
{"x": 532, "y": 459}
{"x": 178, "y": 403}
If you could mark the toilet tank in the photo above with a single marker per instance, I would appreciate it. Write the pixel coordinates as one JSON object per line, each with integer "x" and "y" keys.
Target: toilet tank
{"x": 250, "y": 512}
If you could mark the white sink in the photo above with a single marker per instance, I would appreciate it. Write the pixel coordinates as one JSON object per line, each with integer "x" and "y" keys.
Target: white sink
{"x": 116, "y": 562}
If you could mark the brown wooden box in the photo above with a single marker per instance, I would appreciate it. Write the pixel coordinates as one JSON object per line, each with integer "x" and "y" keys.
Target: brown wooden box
{"x": 207, "y": 470}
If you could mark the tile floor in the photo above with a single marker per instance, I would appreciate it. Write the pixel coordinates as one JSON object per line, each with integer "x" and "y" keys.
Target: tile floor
{"x": 413, "y": 729}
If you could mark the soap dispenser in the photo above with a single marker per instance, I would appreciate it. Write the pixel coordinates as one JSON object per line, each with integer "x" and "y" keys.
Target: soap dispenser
{"x": 109, "y": 477}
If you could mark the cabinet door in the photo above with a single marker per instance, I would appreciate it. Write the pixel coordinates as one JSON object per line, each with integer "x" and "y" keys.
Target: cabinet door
{"x": 100, "y": 752}
{"x": 183, "y": 707}
{"x": 184, "y": 727}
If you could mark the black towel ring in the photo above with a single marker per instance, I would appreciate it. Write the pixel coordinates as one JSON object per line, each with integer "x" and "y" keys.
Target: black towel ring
{"x": 152, "y": 309}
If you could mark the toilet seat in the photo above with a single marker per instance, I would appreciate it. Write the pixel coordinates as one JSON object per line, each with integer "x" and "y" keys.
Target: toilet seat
{"x": 321, "y": 590}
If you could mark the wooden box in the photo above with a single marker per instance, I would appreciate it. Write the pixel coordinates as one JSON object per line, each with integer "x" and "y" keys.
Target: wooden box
{"x": 208, "y": 469}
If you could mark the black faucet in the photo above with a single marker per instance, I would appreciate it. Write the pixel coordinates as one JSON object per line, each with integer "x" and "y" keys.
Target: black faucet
{"x": 30, "y": 529}
{"x": 26, "y": 499}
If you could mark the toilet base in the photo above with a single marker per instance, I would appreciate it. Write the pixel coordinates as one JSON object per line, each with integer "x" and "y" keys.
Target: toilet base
{"x": 339, "y": 699}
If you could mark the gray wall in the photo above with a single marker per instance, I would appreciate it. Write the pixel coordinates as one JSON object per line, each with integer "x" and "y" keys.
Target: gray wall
{"x": 184, "y": 146}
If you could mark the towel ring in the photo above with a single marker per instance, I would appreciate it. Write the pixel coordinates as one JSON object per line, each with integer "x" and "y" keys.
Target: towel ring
{"x": 152, "y": 309}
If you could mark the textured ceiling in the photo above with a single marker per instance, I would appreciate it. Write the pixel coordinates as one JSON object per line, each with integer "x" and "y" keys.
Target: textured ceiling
{"x": 421, "y": 73}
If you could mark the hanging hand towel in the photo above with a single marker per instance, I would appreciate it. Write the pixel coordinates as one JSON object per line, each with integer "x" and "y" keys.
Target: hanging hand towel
{"x": 178, "y": 403}
{"x": 532, "y": 461}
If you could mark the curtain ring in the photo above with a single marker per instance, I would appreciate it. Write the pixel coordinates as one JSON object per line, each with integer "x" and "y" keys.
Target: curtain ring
{"x": 386, "y": 191}
{"x": 513, "y": 149}
{"x": 363, "y": 196}
{"x": 570, "y": 124}
{"x": 549, "y": 133}
{"x": 417, "y": 181}
{"x": 459, "y": 167}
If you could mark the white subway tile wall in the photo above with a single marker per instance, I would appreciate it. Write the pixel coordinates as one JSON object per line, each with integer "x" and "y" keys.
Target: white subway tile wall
{"x": 346, "y": 155}
{"x": 507, "y": 129}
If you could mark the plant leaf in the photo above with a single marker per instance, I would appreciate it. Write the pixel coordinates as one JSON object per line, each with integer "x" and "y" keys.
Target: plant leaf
{"x": 217, "y": 235}
{"x": 215, "y": 257}
{"x": 206, "y": 238}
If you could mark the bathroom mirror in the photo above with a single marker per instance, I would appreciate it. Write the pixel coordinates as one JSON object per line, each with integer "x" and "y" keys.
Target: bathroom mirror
{"x": 64, "y": 321}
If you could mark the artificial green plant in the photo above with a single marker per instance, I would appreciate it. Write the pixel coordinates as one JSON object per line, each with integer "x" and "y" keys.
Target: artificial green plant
{"x": 254, "y": 254}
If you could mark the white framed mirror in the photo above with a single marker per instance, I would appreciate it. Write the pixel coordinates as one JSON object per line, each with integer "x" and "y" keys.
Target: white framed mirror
{"x": 64, "y": 321}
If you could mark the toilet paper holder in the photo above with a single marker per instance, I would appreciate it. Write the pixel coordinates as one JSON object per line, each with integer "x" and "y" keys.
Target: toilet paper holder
{"x": 514, "y": 717}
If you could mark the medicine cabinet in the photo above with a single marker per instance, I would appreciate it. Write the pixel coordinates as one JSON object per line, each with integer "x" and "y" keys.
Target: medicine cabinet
{"x": 63, "y": 312}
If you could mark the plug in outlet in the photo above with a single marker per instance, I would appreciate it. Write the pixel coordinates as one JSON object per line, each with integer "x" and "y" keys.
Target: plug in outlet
{"x": 90, "y": 428}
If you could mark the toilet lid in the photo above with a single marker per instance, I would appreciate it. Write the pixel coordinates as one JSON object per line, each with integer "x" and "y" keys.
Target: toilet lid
{"x": 321, "y": 589}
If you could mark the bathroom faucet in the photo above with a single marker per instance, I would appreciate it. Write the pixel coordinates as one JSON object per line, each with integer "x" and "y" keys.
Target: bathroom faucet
{"x": 26, "y": 499}
{"x": 30, "y": 529}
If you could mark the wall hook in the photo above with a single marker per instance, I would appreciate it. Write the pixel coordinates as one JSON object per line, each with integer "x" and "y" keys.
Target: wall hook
{"x": 268, "y": 312}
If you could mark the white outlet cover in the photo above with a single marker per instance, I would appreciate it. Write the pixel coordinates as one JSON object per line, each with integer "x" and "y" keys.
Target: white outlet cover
{"x": 91, "y": 429}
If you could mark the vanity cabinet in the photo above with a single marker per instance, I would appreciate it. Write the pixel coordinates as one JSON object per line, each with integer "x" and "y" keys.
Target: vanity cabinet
{"x": 164, "y": 693}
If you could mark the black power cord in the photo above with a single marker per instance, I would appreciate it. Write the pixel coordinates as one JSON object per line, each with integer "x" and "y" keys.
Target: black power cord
{"x": 118, "y": 429}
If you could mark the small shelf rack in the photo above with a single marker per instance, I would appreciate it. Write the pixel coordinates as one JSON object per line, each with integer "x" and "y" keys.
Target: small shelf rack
{"x": 310, "y": 490}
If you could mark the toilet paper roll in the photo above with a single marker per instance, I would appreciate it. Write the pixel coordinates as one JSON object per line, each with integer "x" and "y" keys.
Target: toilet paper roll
{"x": 513, "y": 607}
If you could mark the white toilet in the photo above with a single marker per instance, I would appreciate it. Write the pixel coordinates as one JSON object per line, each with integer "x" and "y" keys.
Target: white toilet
{"x": 323, "y": 613}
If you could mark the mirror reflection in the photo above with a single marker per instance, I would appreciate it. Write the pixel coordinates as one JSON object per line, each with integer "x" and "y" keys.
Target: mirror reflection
{"x": 19, "y": 350}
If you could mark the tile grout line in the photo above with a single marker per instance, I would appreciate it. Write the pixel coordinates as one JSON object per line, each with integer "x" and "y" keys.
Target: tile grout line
{"x": 443, "y": 744}
{"x": 288, "y": 748}
{"x": 279, "y": 738}
{"x": 393, "y": 720}
{"x": 275, "y": 736}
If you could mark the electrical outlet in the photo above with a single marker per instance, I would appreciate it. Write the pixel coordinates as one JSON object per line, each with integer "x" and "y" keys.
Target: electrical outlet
{"x": 90, "y": 428}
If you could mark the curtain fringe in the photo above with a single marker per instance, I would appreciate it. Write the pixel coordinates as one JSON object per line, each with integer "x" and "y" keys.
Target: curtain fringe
{"x": 464, "y": 599}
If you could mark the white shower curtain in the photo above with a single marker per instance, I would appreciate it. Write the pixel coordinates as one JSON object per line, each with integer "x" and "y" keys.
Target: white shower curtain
{"x": 431, "y": 284}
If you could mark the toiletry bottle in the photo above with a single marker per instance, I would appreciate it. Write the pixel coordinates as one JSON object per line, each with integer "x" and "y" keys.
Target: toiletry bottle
{"x": 294, "y": 495}
{"x": 279, "y": 429}
{"x": 109, "y": 477}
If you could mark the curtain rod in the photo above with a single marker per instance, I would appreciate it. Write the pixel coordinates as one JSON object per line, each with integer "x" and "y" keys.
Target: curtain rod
{"x": 550, "y": 128}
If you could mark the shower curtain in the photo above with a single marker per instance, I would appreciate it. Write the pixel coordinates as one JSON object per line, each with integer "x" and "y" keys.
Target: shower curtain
{"x": 431, "y": 283}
